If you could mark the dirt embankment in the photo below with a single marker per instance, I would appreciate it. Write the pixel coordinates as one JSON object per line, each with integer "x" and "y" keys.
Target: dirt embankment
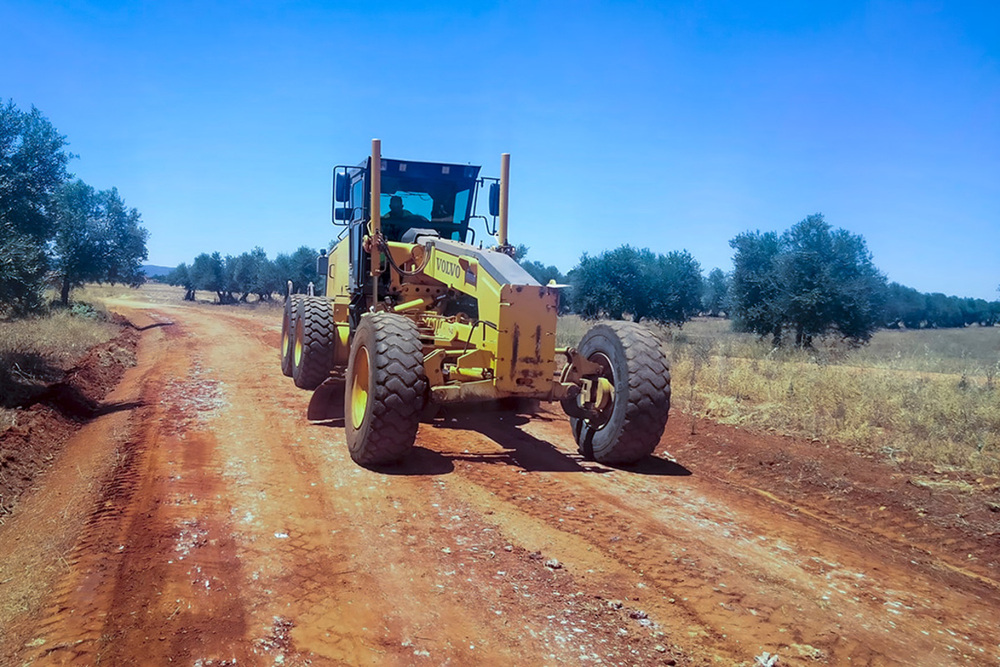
{"x": 43, "y": 425}
{"x": 226, "y": 529}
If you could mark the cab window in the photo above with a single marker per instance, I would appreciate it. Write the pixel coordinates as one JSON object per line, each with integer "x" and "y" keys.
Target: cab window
{"x": 416, "y": 203}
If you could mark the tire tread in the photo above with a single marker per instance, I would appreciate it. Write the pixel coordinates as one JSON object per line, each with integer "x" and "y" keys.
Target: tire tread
{"x": 317, "y": 342}
{"x": 397, "y": 394}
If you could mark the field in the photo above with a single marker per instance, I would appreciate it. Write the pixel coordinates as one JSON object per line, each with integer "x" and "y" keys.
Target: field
{"x": 929, "y": 395}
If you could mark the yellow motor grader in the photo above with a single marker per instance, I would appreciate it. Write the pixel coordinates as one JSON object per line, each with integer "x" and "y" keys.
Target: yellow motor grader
{"x": 422, "y": 317}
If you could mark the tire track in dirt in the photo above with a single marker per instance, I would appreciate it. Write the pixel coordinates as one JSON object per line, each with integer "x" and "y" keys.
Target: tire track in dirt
{"x": 838, "y": 522}
{"x": 128, "y": 567}
{"x": 47, "y": 539}
{"x": 742, "y": 571}
{"x": 861, "y": 492}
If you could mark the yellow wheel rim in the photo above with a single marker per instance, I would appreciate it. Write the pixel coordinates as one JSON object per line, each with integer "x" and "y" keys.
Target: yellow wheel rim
{"x": 286, "y": 343}
{"x": 298, "y": 348}
{"x": 359, "y": 389}
{"x": 608, "y": 375}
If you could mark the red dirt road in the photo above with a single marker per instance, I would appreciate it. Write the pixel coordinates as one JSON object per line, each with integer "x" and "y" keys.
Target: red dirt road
{"x": 206, "y": 522}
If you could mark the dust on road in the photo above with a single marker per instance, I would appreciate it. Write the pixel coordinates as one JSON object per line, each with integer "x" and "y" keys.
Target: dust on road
{"x": 211, "y": 524}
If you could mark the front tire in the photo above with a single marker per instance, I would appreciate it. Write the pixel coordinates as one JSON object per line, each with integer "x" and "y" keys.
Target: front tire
{"x": 628, "y": 429}
{"x": 386, "y": 388}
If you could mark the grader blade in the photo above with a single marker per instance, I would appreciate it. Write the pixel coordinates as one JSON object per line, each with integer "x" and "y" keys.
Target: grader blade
{"x": 327, "y": 402}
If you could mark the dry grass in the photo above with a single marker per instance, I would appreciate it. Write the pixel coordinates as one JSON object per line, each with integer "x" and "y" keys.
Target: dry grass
{"x": 94, "y": 293}
{"x": 933, "y": 396}
{"x": 975, "y": 350}
{"x": 570, "y": 330}
{"x": 35, "y": 351}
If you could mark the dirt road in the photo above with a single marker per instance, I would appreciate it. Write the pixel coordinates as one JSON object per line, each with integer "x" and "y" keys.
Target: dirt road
{"x": 203, "y": 521}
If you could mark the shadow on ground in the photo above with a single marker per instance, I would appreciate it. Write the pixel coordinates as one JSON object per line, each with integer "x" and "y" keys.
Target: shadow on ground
{"x": 502, "y": 426}
{"x": 23, "y": 376}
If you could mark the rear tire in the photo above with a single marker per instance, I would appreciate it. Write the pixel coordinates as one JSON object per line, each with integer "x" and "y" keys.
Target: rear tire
{"x": 386, "y": 389}
{"x": 288, "y": 334}
{"x": 629, "y": 429}
{"x": 314, "y": 340}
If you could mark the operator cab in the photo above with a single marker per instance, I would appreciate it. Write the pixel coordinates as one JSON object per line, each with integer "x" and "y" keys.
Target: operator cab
{"x": 423, "y": 195}
{"x": 427, "y": 196}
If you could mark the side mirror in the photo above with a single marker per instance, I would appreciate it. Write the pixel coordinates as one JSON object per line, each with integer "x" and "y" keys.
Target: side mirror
{"x": 341, "y": 187}
{"x": 342, "y": 213}
{"x": 494, "y": 199}
{"x": 322, "y": 262}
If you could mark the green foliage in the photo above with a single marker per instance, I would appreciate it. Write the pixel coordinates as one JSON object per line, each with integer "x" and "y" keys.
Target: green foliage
{"x": 300, "y": 268}
{"x": 608, "y": 285}
{"x": 253, "y": 273}
{"x": 754, "y": 290}
{"x": 79, "y": 246}
{"x": 715, "y": 293}
{"x": 638, "y": 283}
{"x": 676, "y": 288}
{"x": 813, "y": 280}
{"x": 906, "y": 306}
{"x": 97, "y": 238}
{"x": 23, "y": 265}
{"x": 236, "y": 277}
{"x": 32, "y": 165}
{"x": 125, "y": 248}
{"x": 91, "y": 236}
{"x": 829, "y": 282}
{"x": 915, "y": 310}
{"x": 208, "y": 272}
{"x": 181, "y": 277}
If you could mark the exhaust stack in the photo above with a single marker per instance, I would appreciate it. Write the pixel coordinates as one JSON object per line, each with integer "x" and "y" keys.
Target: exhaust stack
{"x": 376, "y": 210}
{"x": 504, "y": 189}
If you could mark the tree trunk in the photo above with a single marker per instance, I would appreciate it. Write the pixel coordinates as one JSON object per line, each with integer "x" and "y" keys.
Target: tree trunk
{"x": 64, "y": 294}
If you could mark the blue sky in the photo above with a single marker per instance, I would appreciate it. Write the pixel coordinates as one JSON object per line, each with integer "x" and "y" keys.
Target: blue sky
{"x": 662, "y": 125}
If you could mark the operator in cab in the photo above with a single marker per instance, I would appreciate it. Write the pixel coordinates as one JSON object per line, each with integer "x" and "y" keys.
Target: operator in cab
{"x": 398, "y": 219}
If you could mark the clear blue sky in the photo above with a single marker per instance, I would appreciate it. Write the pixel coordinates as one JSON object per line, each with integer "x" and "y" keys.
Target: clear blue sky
{"x": 662, "y": 125}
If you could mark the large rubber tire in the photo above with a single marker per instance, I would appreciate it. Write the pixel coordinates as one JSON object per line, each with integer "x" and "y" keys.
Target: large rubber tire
{"x": 629, "y": 429}
{"x": 386, "y": 389}
{"x": 314, "y": 341}
{"x": 288, "y": 334}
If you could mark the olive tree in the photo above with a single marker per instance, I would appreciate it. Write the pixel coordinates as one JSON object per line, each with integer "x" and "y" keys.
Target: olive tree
{"x": 811, "y": 281}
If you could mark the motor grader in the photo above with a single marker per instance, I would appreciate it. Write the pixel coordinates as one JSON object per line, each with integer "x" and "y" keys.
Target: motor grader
{"x": 421, "y": 317}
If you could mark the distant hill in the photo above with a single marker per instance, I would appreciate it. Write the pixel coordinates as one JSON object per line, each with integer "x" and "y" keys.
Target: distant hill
{"x": 153, "y": 271}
